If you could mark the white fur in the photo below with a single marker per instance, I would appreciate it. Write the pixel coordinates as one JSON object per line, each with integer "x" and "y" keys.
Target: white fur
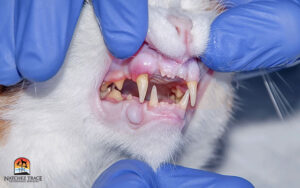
{"x": 54, "y": 126}
{"x": 266, "y": 153}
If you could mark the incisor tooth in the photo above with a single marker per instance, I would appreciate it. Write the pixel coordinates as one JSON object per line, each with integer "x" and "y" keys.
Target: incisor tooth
{"x": 193, "y": 91}
{"x": 115, "y": 94}
{"x": 142, "y": 84}
{"x": 119, "y": 84}
{"x": 153, "y": 98}
{"x": 185, "y": 100}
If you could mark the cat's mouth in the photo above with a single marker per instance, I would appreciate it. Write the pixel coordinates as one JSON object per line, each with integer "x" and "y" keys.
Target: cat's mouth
{"x": 150, "y": 86}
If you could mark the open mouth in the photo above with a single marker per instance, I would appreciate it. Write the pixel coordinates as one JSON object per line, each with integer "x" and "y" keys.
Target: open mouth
{"x": 150, "y": 86}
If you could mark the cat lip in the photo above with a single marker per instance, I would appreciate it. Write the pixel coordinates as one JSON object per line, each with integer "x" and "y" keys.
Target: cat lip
{"x": 150, "y": 86}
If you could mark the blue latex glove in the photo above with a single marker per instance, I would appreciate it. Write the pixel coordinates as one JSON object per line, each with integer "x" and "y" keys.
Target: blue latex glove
{"x": 35, "y": 35}
{"x": 136, "y": 174}
{"x": 254, "y": 34}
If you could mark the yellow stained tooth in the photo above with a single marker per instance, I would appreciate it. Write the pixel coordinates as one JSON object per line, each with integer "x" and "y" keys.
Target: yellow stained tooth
{"x": 119, "y": 84}
{"x": 172, "y": 97}
{"x": 104, "y": 86}
{"x": 142, "y": 84}
{"x": 129, "y": 97}
{"x": 115, "y": 94}
{"x": 153, "y": 98}
{"x": 192, "y": 85}
{"x": 104, "y": 93}
{"x": 185, "y": 100}
{"x": 178, "y": 93}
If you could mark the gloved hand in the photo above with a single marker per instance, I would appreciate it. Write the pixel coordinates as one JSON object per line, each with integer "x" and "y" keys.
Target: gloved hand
{"x": 136, "y": 174}
{"x": 35, "y": 35}
{"x": 254, "y": 34}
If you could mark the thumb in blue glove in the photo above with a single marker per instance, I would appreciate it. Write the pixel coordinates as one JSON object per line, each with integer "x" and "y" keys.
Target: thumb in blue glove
{"x": 254, "y": 34}
{"x": 137, "y": 174}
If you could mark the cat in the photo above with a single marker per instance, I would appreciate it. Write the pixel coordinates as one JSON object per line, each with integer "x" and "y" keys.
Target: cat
{"x": 87, "y": 117}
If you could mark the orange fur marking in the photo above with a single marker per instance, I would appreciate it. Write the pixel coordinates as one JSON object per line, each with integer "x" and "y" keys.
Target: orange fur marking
{"x": 8, "y": 95}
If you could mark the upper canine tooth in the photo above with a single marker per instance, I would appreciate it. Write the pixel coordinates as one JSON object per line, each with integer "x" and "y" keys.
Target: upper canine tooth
{"x": 119, "y": 84}
{"x": 142, "y": 84}
{"x": 192, "y": 85}
{"x": 153, "y": 98}
{"x": 185, "y": 100}
{"x": 115, "y": 94}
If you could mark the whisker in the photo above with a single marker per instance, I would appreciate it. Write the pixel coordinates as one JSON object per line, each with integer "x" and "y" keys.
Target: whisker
{"x": 35, "y": 90}
{"x": 275, "y": 104}
{"x": 282, "y": 98}
{"x": 283, "y": 80}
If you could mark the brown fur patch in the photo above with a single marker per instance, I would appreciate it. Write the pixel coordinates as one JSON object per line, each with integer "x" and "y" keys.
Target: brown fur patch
{"x": 8, "y": 96}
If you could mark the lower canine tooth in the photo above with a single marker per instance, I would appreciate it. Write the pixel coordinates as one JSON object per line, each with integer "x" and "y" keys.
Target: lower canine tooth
{"x": 115, "y": 94}
{"x": 185, "y": 100}
{"x": 142, "y": 84}
{"x": 153, "y": 98}
{"x": 119, "y": 84}
{"x": 193, "y": 91}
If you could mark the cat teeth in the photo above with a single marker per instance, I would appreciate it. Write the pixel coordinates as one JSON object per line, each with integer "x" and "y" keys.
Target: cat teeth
{"x": 153, "y": 98}
{"x": 104, "y": 93}
{"x": 112, "y": 90}
{"x": 192, "y": 86}
{"x": 104, "y": 86}
{"x": 178, "y": 93}
{"x": 142, "y": 84}
{"x": 116, "y": 95}
{"x": 119, "y": 84}
{"x": 185, "y": 100}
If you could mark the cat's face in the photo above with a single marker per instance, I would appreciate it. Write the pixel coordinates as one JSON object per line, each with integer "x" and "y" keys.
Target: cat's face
{"x": 147, "y": 106}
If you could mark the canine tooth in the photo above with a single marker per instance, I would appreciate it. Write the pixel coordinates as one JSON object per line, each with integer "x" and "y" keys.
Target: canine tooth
{"x": 119, "y": 84}
{"x": 142, "y": 84}
{"x": 153, "y": 98}
{"x": 115, "y": 94}
{"x": 192, "y": 85}
{"x": 185, "y": 100}
{"x": 104, "y": 93}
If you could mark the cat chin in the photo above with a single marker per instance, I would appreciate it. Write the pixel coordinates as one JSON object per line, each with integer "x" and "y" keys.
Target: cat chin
{"x": 153, "y": 144}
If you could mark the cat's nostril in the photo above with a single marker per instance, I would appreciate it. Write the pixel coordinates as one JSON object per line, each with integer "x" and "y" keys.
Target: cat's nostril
{"x": 182, "y": 24}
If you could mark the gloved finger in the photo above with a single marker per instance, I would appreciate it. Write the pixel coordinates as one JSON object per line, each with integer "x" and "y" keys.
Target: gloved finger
{"x": 8, "y": 70}
{"x": 124, "y": 25}
{"x": 257, "y": 35}
{"x": 44, "y": 30}
{"x": 127, "y": 174}
{"x": 181, "y": 177}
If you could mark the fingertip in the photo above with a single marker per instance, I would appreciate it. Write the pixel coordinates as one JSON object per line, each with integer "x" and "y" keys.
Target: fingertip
{"x": 124, "y": 45}
{"x": 234, "y": 182}
{"x": 124, "y": 25}
{"x": 127, "y": 174}
{"x": 38, "y": 68}
{"x": 9, "y": 77}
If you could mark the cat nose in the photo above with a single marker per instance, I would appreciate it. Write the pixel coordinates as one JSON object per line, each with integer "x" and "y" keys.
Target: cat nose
{"x": 183, "y": 26}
